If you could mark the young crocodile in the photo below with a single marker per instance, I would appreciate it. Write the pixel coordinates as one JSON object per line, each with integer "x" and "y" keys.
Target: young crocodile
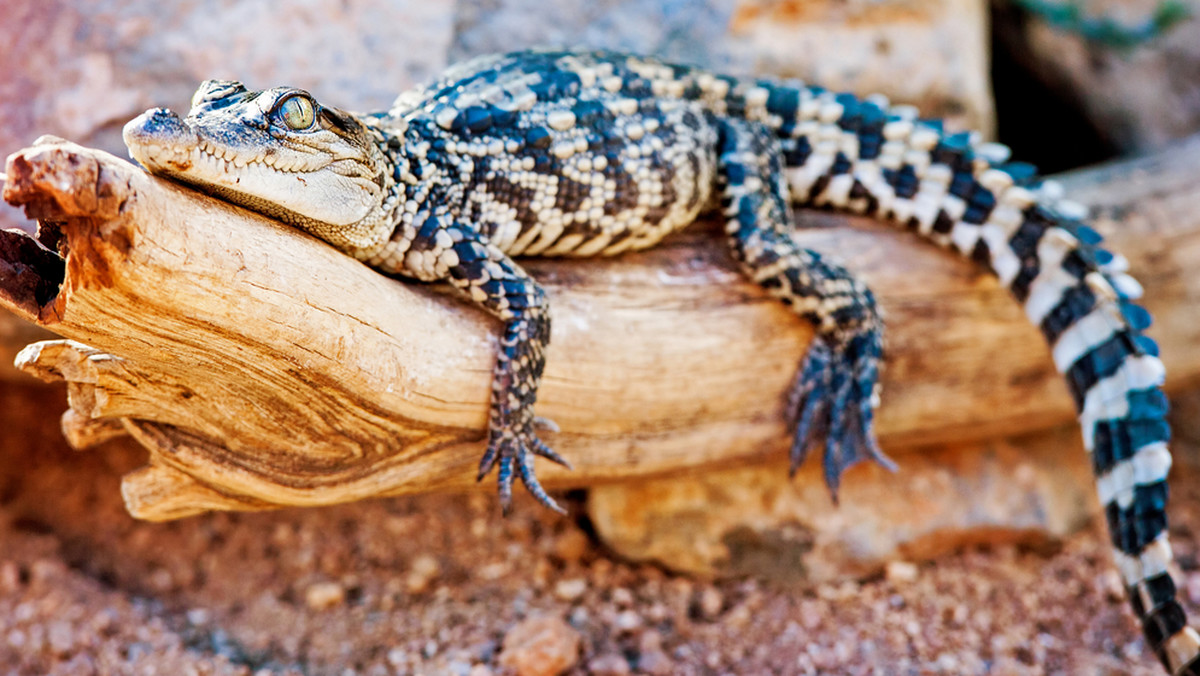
{"x": 584, "y": 154}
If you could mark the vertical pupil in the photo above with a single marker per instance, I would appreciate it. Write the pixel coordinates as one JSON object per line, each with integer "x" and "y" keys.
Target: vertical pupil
{"x": 295, "y": 113}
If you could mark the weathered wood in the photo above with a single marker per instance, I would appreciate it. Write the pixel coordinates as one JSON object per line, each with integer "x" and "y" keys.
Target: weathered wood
{"x": 261, "y": 367}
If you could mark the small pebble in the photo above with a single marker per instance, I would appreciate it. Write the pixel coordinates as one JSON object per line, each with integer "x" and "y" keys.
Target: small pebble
{"x": 657, "y": 612}
{"x": 570, "y": 590}
{"x": 540, "y": 646}
{"x": 608, "y": 664}
{"x": 493, "y": 571}
{"x": 948, "y": 663}
{"x": 1193, "y": 588}
{"x": 160, "y": 580}
{"x": 46, "y": 571}
{"x": 425, "y": 564}
{"x": 10, "y": 577}
{"x": 739, "y": 617}
{"x": 61, "y": 637}
{"x": 843, "y": 591}
{"x": 650, "y": 641}
{"x": 956, "y": 616}
{"x": 1114, "y": 588}
{"x": 655, "y": 662}
{"x": 485, "y": 651}
{"x": 711, "y": 602}
{"x": 423, "y": 571}
{"x": 627, "y": 621}
{"x": 397, "y": 657}
{"x": 543, "y": 572}
{"x": 479, "y": 528}
{"x": 812, "y": 614}
{"x": 579, "y": 616}
{"x": 324, "y": 595}
{"x": 601, "y": 569}
{"x": 571, "y": 546}
{"x": 198, "y": 616}
{"x": 900, "y": 572}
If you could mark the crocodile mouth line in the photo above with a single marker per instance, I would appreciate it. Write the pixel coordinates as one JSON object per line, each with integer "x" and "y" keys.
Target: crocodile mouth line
{"x": 228, "y": 158}
{"x": 229, "y": 162}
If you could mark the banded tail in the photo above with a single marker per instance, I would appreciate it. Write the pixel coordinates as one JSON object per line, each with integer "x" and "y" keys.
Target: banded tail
{"x": 866, "y": 157}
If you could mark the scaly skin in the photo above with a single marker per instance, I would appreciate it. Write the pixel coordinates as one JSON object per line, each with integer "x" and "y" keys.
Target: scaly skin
{"x": 585, "y": 154}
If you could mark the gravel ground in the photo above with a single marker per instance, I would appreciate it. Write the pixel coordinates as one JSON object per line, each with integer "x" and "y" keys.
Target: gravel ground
{"x": 442, "y": 584}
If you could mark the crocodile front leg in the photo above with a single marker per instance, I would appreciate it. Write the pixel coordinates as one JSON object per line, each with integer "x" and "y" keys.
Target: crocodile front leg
{"x": 460, "y": 254}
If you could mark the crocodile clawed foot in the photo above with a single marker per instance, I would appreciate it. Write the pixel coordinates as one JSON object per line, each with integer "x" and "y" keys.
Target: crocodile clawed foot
{"x": 513, "y": 453}
{"x": 834, "y": 397}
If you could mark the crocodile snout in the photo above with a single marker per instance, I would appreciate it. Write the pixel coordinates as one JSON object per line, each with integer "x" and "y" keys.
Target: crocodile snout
{"x": 159, "y": 136}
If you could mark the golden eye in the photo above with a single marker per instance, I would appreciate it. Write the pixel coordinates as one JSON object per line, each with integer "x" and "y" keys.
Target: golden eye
{"x": 297, "y": 112}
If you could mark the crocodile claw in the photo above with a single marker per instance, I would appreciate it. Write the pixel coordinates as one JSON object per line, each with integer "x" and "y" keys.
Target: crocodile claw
{"x": 514, "y": 453}
{"x": 834, "y": 397}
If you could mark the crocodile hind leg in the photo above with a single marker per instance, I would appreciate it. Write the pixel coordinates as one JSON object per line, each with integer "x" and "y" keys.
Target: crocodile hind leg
{"x": 835, "y": 391}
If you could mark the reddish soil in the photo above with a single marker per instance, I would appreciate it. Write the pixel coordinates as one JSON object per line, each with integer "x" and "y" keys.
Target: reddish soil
{"x": 436, "y": 584}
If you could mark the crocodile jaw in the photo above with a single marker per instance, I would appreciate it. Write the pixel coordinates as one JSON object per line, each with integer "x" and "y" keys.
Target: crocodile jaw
{"x": 325, "y": 188}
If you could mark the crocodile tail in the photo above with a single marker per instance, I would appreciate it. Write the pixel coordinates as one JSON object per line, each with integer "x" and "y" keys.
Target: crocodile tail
{"x": 1081, "y": 298}
{"x": 867, "y": 157}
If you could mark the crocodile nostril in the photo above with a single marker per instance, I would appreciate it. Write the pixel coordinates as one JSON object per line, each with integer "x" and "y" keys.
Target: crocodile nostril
{"x": 158, "y": 127}
{"x": 155, "y": 121}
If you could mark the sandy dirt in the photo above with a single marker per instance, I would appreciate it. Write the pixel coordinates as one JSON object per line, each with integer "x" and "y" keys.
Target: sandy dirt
{"x": 444, "y": 585}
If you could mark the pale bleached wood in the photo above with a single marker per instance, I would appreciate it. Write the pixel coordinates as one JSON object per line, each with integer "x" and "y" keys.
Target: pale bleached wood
{"x": 260, "y": 367}
{"x": 83, "y": 433}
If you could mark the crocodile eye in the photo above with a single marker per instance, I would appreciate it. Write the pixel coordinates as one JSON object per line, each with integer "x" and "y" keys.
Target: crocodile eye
{"x": 297, "y": 112}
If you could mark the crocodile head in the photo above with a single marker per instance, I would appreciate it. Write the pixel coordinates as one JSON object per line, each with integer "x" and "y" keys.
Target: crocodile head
{"x": 277, "y": 152}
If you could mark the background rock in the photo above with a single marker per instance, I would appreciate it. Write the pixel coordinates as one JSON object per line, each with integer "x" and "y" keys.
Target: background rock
{"x": 1137, "y": 98}
{"x": 755, "y": 521}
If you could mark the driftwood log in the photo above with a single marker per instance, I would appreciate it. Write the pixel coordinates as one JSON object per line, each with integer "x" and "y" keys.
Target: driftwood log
{"x": 262, "y": 368}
